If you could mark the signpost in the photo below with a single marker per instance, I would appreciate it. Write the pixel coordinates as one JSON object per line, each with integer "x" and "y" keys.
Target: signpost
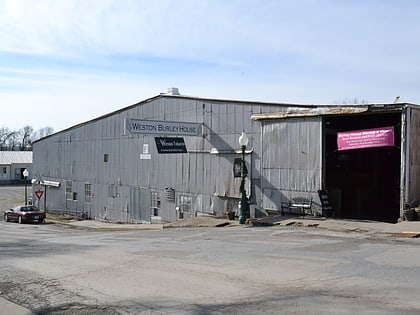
{"x": 327, "y": 210}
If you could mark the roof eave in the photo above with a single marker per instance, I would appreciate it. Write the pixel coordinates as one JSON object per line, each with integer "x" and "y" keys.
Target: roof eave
{"x": 294, "y": 112}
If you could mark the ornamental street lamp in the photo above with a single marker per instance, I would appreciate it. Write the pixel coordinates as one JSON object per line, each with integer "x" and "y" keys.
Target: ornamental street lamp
{"x": 244, "y": 210}
{"x": 25, "y": 174}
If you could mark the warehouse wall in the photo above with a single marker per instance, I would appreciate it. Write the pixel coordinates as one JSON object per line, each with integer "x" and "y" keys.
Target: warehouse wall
{"x": 100, "y": 154}
{"x": 413, "y": 157}
{"x": 291, "y": 160}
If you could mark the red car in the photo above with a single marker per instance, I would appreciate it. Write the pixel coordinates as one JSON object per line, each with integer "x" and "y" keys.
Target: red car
{"x": 26, "y": 213}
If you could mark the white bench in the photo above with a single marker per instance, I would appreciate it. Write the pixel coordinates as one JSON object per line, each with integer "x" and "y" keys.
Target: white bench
{"x": 297, "y": 203}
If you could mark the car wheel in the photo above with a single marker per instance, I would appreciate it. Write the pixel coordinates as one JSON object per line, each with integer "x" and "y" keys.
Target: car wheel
{"x": 41, "y": 221}
{"x": 20, "y": 221}
{"x": 6, "y": 218}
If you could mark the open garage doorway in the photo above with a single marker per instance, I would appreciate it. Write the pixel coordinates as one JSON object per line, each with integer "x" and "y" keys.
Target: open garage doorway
{"x": 363, "y": 183}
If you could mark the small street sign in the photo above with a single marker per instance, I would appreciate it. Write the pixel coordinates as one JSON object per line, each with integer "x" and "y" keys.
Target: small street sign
{"x": 39, "y": 194}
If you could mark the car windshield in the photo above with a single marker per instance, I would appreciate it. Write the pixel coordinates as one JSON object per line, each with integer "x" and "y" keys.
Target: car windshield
{"x": 29, "y": 208}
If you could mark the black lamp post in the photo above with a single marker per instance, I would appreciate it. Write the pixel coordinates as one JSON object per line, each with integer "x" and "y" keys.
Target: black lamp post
{"x": 244, "y": 211}
{"x": 25, "y": 174}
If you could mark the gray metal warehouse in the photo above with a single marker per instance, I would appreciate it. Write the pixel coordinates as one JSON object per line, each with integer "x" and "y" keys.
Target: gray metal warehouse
{"x": 173, "y": 156}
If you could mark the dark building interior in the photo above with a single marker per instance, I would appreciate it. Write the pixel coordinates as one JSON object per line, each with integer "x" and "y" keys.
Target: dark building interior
{"x": 363, "y": 184}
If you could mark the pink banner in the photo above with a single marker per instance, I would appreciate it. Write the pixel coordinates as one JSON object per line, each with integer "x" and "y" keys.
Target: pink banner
{"x": 368, "y": 138}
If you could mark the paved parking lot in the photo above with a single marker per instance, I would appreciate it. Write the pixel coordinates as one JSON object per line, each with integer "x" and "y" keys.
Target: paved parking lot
{"x": 54, "y": 269}
{"x": 65, "y": 269}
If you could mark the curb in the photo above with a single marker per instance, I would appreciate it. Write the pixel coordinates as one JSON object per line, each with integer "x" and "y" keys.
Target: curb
{"x": 410, "y": 230}
{"x": 101, "y": 226}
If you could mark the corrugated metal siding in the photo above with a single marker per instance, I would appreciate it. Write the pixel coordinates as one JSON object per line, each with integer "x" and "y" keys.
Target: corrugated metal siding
{"x": 139, "y": 208}
{"x": 15, "y": 157}
{"x": 413, "y": 147}
{"x": 291, "y": 160}
{"x": 77, "y": 154}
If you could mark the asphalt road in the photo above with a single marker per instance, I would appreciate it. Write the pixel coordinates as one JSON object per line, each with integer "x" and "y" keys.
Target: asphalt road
{"x": 54, "y": 269}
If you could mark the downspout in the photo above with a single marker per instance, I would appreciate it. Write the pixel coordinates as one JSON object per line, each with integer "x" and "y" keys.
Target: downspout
{"x": 261, "y": 166}
{"x": 405, "y": 116}
{"x": 323, "y": 164}
{"x": 45, "y": 199}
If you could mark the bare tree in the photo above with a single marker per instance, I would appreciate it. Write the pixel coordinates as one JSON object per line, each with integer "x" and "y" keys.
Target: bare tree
{"x": 10, "y": 139}
{"x": 43, "y": 132}
{"x": 26, "y": 133}
{"x": 5, "y": 133}
{"x": 22, "y": 139}
{"x": 13, "y": 142}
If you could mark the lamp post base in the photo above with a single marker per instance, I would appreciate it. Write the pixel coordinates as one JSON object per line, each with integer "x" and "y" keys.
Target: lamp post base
{"x": 244, "y": 213}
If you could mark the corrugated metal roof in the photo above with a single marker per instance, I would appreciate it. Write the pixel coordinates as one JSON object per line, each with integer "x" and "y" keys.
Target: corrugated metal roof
{"x": 15, "y": 157}
{"x": 229, "y": 101}
{"x": 310, "y": 112}
{"x": 213, "y": 100}
{"x": 322, "y": 110}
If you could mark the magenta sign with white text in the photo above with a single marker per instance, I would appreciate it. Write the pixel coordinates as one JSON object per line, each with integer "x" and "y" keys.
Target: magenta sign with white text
{"x": 368, "y": 138}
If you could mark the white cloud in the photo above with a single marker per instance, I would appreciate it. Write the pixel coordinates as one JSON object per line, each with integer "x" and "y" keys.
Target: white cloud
{"x": 99, "y": 55}
{"x": 68, "y": 104}
{"x": 222, "y": 32}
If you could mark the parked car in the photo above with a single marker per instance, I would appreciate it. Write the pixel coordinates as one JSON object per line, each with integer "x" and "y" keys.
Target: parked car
{"x": 27, "y": 213}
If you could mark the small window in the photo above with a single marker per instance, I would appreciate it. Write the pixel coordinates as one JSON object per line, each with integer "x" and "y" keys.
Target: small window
{"x": 69, "y": 190}
{"x": 88, "y": 193}
{"x": 112, "y": 191}
{"x": 155, "y": 200}
{"x": 105, "y": 157}
{"x": 185, "y": 202}
{"x": 75, "y": 196}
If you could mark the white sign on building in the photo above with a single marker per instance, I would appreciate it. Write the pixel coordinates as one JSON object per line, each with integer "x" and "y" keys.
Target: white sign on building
{"x": 168, "y": 128}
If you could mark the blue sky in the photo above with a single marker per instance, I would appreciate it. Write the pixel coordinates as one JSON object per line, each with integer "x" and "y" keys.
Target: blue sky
{"x": 65, "y": 62}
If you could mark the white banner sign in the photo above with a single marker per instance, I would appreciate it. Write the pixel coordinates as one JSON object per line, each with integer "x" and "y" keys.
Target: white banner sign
{"x": 152, "y": 127}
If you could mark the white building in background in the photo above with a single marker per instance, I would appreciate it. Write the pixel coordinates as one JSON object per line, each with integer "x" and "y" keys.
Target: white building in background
{"x": 12, "y": 165}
